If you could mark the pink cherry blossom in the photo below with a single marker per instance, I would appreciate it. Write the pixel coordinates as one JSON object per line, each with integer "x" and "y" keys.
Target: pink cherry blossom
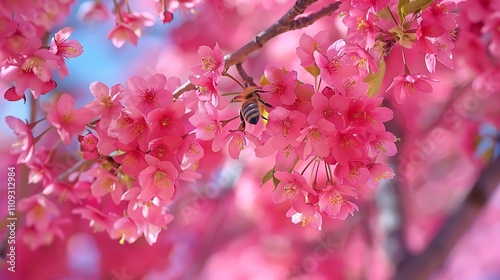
{"x": 93, "y": 11}
{"x": 348, "y": 145}
{"x": 35, "y": 238}
{"x": 127, "y": 230}
{"x": 132, "y": 160}
{"x": 131, "y": 128}
{"x": 65, "y": 48}
{"x": 355, "y": 173}
{"x": 281, "y": 87}
{"x": 409, "y": 84}
{"x": 164, "y": 148}
{"x": 158, "y": 179}
{"x": 98, "y": 220}
{"x": 305, "y": 214}
{"x": 106, "y": 103}
{"x": 67, "y": 120}
{"x": 302, "y": 103}
{"x": 379, "y": 172}
{"x": 148, "y": 95}
{"x": 39, "y": 211}
{"x": 291, "y": 186}
{"x": 442, "y": 13}
{"x": 212, "y": 60}
{"x": 88, "y": 146}
{"x": 361, "y": 28}
{"x": 122, "y": 33}
{"x": 105, "y": 183}
{"x": 316, "y": 136}
{"x": 308, "y": 45}
{"x": 335, "y": 201}
{"x": 284, "y": 127}
{"x": 24, "y": 80}
{"x": 368, "y": 113}
{"x": 333, "y": 109}
{"x": 166, "y": 121}
{"x": 363, "y": 60}
{"x": 206, "y": 88}
{"x": 24, "y": 145}
{"x": 334, "y": 65}
{"x": 443, "y": 46}
{"x": 207, "y": 125}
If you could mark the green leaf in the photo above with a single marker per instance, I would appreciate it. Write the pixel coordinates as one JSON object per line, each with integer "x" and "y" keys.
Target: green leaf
{"x": 375, "y": 80}
{"x": 415, "y": 6}
{"x": 276, "y": 181}
{"x": 313, "y": 70}
{"x": 401, "y": 4}
{"x": 268, "y": 176}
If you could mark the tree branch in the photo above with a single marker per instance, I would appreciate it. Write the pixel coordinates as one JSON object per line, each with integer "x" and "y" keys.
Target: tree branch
{"x": 423, "y": 265}
{"x": 286, "y": 23}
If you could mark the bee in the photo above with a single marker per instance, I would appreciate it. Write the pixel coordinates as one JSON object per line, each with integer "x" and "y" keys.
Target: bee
{"x": 252, "y": 106}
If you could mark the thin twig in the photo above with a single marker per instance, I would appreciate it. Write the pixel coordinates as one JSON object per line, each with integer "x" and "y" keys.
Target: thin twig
{"x": 284, "y": 24}
{"x": 423, "y": 265}
{"x": 246, "y": 78}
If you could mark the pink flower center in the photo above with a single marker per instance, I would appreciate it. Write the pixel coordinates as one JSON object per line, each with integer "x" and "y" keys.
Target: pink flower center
{"x": 208, "y": 63}
{"x": 31, "y": 63}
{"x": 161, "y": 179}
{"x": 67, "y": 118}
{"x": 209, "y": 128}
{"x": 108, "y": 183}
{"x": 160, "y": 152}
{"x": 138, "y": 129}
{"x": 334, "y": 65}
{"x": 291, "y": 190}
{"x": 106, "y": 103}
{"x": 165, "y": 122}
{"x": 337, "y": 199}
{"x": 353, "y": 174}
{"x": 306, "y": 220}
{"x": 286, "y": 124}
{"x": 288, "y": 150}
{"x": 148, "y": 95}
{"x": 193, "y": 149}
{"x": 362, "y": 24}
{"x": 277, "y": 89}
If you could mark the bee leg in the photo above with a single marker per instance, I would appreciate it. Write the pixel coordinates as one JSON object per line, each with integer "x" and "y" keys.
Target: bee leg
{"x": 242, "y": 124}
{"x": 264, "y": 118}
{"x": 266, "y": 104}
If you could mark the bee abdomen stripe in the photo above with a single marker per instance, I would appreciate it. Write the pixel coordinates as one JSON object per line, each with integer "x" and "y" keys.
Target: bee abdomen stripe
{"x": 251, "y": 113}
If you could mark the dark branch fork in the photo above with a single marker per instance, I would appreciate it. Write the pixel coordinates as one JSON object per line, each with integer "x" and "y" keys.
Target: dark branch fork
{"x": 284, "y": 24}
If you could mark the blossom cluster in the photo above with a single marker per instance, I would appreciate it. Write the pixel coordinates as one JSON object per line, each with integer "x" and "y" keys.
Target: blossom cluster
{"x": 27, "y": 61}
{"x": 331, "y": 136}
{"x": 129, "y": 24}
{"x": 139, "y": 142}
{"x": 429, "y": 26}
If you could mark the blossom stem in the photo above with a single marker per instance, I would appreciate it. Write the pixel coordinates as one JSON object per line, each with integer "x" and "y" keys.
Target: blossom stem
{"x": 232, "y": 78}
{"x": 41, "y": 134}
{"x": 117, "y": 8}
{"x": 328, "y": 171}
{"x": 307, "y": 166}
{"x": 393, "y": 18}
{"x": 79, "y": 165}
{"x": 407, "y": 70}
